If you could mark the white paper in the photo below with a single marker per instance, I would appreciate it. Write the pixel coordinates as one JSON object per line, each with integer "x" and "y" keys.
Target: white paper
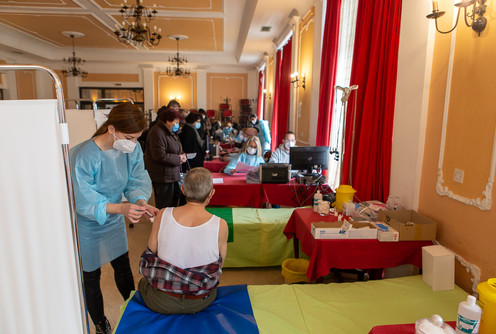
{"x": 190, "y": 156}
{"x": 218, "y": 180}
{"x": 243, "y": 168}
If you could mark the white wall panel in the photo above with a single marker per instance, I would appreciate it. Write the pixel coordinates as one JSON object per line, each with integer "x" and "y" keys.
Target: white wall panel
{"x": 38, "y": 291}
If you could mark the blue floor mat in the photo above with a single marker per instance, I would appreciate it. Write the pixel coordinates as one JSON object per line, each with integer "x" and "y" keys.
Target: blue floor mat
{"x": 231, "y": 312}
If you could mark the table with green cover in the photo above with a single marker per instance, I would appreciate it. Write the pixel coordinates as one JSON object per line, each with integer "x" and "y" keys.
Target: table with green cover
{"x": 256, "y": 236}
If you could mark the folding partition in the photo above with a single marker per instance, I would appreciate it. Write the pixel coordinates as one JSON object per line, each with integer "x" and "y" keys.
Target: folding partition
{"x": 41, "y": 290}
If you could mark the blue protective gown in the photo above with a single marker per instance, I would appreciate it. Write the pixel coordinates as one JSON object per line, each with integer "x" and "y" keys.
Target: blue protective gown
{"x": 102, "y": 177}
{"x": 251, "y": 160}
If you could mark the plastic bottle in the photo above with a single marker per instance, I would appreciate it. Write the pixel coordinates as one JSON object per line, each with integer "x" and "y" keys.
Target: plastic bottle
{"x": 469, "y": 315}
{"x": 316, "y": 198}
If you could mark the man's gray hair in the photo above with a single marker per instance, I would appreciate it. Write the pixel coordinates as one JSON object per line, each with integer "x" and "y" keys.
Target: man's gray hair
{"x": 197, "y": 184}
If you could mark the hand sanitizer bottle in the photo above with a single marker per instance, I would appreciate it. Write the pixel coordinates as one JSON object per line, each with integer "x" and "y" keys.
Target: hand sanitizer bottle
{"x": 316, "y": 198}
{"x": 469, "y": 315}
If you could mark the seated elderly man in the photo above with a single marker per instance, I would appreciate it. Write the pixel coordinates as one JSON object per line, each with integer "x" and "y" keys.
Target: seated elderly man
{"x": 281, "y": 154}
{"x": 186, "y": 251}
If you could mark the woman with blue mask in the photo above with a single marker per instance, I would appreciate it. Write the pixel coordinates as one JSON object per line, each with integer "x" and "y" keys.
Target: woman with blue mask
{"x": 104, "y": 168}
{"x": 191, "y": 140}
{"x": 251, "y": 154}
{"x": 163, "y": 159}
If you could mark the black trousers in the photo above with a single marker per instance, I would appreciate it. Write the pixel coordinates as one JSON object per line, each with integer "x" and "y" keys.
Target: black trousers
{"x": 166, "y": 194}
{"x": 91, "y": 282}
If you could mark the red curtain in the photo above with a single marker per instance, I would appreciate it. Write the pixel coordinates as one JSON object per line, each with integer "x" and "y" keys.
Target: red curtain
{"x": 374, "y": 69}
{"x": 260, "y": 94}
{"x": 328, "y": 71}
{"x": 280, "y": 113}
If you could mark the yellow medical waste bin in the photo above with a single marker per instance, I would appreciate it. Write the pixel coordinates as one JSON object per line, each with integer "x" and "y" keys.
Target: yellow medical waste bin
{"x": 344, "y": 194}
{"x": 487, "y": 302}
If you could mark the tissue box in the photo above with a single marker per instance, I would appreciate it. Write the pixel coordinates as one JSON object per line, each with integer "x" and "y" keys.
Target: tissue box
{"x": 386, "y": 232}
{"x": 343, "y": 230}
{"x": 409, "y": 224}
{"x": 438, "y": 268}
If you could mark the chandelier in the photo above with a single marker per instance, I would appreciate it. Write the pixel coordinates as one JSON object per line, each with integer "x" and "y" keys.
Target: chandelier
{"x": 74, "y": 61}
{"x": 137, "y": 32}
{"x": 178, "y": 71}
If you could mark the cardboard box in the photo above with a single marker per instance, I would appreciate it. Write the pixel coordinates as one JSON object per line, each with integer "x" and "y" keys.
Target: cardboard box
{"x": 343, "y": 230}
{"x": 438, "y": 268}
{"x": 386, "y": 232}
{"x": 409, "y": 224}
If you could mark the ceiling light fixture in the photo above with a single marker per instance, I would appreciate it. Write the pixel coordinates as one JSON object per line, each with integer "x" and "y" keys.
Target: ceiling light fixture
{"x": 178, "y": 71}
{"x": 74, "y": 61}
{"x": 478, "y": 24}
{"x": 137, "y": 32}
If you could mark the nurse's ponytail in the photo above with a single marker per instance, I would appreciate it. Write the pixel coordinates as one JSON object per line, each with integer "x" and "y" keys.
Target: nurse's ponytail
{"x": 126, "y": 118}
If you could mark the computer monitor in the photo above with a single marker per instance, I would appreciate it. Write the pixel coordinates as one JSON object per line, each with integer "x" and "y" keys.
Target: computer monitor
{"x": 309, "y": 158}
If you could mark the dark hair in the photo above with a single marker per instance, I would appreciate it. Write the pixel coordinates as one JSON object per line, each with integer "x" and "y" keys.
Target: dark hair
{"x": 160, "y": 111}
{"x": 235, "y": 126}
{"x": 173, "y": 103}
{"x": 192, "y": 117}
{"x": 202, "y": 111}
{"x": 170, "y": 115}
{"x": 126, "y": 118}
{"x": 253, "y": 115}
{"x": 289, "y": 133}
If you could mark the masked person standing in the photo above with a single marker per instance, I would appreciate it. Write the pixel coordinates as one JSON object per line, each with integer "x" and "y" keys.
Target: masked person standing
{"x": 262, "y": 127}
{"x": 163, "y": 158}
{"x": 104, "y": 168}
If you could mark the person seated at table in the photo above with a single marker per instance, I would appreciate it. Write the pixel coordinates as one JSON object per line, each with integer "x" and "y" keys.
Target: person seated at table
{"x": 281, "y": 154}
{"x": 187, "y": 247}
{"x": 251, "y": 154}
{"x": 228, "y": 126}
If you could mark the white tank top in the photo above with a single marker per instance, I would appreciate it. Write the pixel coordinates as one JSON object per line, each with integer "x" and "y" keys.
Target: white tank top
{"x": 187, "y": 247}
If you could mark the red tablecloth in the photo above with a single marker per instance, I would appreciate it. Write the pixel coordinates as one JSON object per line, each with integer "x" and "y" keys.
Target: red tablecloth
{"x": 215, "y": 165}
{"x": 291, "y": 194}
{"x": 234, "y": 191}
{"x": 400, "y": 329}
{"x": 348, "y": 253}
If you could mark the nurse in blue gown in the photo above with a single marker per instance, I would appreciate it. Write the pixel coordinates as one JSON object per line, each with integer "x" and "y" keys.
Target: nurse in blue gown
{"x": 104, "y": 168}
{"x": 251, "y": 154}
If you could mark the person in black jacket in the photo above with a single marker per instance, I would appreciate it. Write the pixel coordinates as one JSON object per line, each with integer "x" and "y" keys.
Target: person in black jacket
{"x": 191, "y": 140}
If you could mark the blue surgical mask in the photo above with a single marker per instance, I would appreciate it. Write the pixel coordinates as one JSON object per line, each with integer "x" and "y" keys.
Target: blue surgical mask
{"x": 197, "y": 125}
{"x": 175, "y": 127}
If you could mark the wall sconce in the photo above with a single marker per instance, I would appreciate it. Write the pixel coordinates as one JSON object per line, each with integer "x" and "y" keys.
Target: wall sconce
{"x": 177, "y": 98}
{"x": 267, "y": 94}
{"x": 478, "y": 9}
{"x": 296, "y": 80}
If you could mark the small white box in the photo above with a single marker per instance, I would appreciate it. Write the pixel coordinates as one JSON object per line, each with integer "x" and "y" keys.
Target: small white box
{"x": 329, "y": 230}
{"x": 386, "y": 232}
{"x": 438, "y": 268}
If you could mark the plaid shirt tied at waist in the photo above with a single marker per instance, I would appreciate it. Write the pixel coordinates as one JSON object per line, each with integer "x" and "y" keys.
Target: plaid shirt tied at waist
{"x": 165, "y": 276}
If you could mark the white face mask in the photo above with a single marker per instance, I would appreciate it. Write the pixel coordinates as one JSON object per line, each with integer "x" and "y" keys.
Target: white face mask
{"x": 123, "y": 145}
{"x": 254, "y": 121}
{"x": 289, "y": 144}
{"x": 251, "y": 150}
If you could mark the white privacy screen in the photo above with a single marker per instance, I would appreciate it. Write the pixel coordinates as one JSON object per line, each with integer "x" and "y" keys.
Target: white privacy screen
{"x": 39, "y": 291}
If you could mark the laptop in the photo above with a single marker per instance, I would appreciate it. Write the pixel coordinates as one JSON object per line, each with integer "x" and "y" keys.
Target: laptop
{"x": 275, "y": 173}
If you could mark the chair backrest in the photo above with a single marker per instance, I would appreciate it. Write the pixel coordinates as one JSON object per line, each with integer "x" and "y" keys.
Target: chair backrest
{"x": 224, "y": 106}
{"x": 227, "y": 113}
{"x": 193, "y": 110}
{"x": 211, "y": 113}
{"x": 244, "y": 102}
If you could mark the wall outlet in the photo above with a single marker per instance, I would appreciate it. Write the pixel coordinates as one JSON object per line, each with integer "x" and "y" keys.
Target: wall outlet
{"x": 458, "y": 175}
